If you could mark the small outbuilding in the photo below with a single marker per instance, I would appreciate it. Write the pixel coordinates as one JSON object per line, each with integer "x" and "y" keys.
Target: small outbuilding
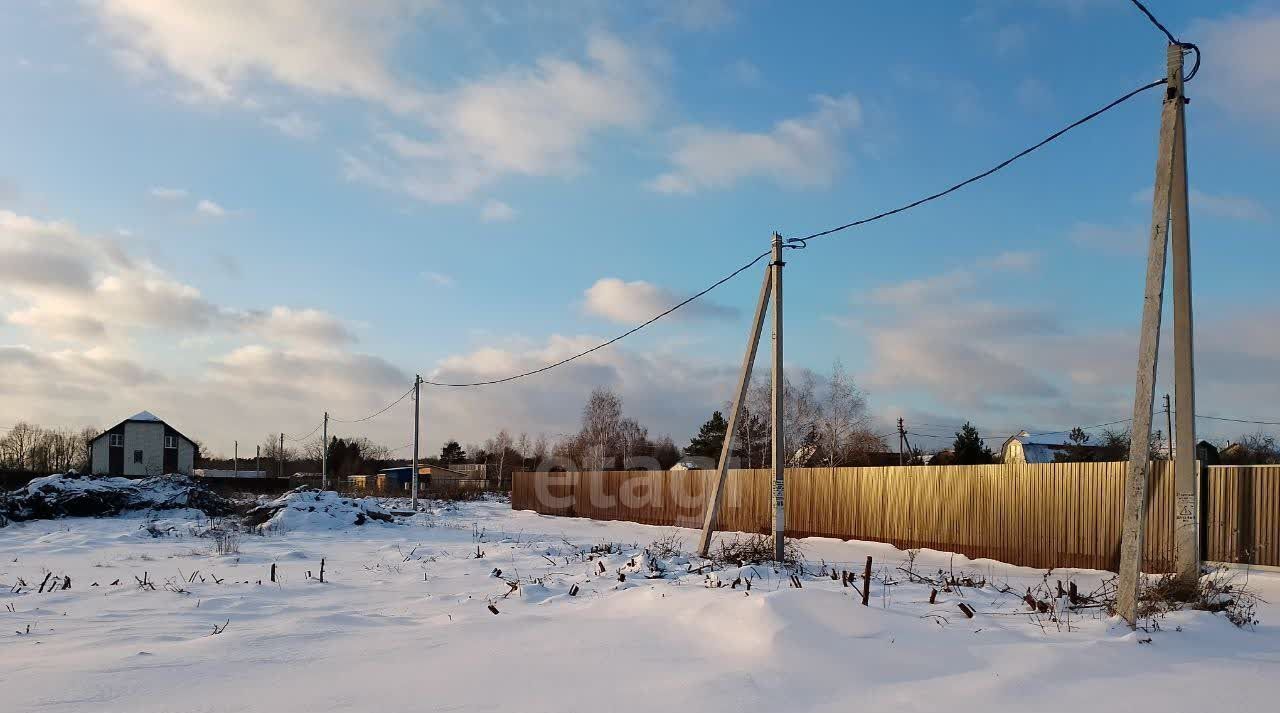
{"x": 139, "y": 446}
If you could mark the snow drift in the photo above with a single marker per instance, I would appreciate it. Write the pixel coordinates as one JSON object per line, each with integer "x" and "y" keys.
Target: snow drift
{"x": 307, "y": 508}
{"x": 71, "y": 495}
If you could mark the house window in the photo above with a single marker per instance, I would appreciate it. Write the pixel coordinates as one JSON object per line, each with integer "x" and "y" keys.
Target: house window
{"x": 170, "y": 441}
{"x": 137, "y": 456}
{"x": 117, "y": 439}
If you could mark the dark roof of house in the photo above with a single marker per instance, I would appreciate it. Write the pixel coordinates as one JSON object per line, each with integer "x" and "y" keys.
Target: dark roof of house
{"x": 144, "y": 417}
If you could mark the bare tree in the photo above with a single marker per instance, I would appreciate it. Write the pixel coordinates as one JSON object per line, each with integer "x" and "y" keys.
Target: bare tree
{"x": 499, "y": 447}
{"x": 601, "y": 423}
{"x": 633, "y": 440}
{"x": 17, "y": 444}
{"x": 540, "y": 450}
{"x": 843, "y": 413}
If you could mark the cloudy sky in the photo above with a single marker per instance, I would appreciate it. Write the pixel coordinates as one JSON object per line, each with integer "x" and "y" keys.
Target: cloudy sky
{"x": 240, "y": 213}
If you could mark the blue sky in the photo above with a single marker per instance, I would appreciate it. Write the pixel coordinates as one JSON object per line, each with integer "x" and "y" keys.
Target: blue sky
{"x": 239, "y": 214}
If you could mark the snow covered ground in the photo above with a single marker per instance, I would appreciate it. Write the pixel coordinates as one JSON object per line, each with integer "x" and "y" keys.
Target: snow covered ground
{"x": 402, "y": 622}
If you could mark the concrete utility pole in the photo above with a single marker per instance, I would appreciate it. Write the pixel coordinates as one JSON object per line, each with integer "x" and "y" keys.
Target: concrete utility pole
{"x": 1135, "y": 502}
{"x": 1186, "y": 534}
{"x": 324, "y": 454}
{"x": 902, "y": 433}
{"x": 417, "y": 390}
{"x": 740, "y": 395}
{"x": 1168, "y": 419}
{"x": 235, "y": 458}
{"x": 779, "y": 423}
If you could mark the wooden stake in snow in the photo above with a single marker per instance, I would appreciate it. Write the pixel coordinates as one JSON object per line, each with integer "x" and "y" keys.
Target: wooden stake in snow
{"x": 322, "y": 570}
{"x": 866, "y": 582}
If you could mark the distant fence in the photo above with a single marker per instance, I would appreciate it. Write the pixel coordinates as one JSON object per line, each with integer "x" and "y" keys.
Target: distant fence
{"x": 1042, "y": 515}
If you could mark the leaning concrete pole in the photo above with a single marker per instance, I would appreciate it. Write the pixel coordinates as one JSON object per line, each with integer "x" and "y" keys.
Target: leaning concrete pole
{"x": 1135, "y": 488}
{"x": 779, "y": 423}
{"x": 739, "y": 396}
{"x": 1186, "y": 535}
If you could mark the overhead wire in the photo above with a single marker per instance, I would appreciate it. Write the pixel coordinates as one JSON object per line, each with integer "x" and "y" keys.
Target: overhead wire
{"x": 978, "y": 177}
{"x": 801, "y": 242}
{"x": 287, "y": 437}
{"x": 376, "y": 413}
{"x": 602, "y": 345}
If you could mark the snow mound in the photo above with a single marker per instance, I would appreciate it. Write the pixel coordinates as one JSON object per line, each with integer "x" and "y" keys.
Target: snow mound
{"x": 71, "y": 495}
{"x": 307, "y": 508}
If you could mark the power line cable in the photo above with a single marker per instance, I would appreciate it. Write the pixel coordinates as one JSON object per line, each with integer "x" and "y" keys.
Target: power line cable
{"x": 1195, "y": 68}
{"x": 376, "y": 414}
{"x": 602, "y": 345}
{"x": 802, "y": 242}
{"x": 973, "y": 179}
{"x": 287, "y": 437}
{"x": 1159, "y": 25}
{"x": 1239, "y": 420}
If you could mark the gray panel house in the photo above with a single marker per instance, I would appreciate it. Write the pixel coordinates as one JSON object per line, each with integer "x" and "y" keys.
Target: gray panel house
{"x": 139, "y": 446}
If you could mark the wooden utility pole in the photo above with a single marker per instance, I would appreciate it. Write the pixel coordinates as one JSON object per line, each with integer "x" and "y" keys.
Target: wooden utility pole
{"x": 417, "y": 387}
{"x": 1186, "y": 535}
{"x": 1168, "y": 420}
{"x": 280, "y": 455}
{"x": 1135, "y": 491}
{"x": 235, "y": 458}
{"x": 257, "y": 461}
{"x": 779, "y": 421}
{"x": 324, "y": 454}
{"x": 712, "y": 512}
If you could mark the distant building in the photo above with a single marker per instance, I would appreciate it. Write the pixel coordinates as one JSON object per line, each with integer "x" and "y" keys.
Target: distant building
{"x": 1021, "y": 449}
{"x": 213, "y": 473}
{"x": 139, "y": 446}
{"x": 429, "y": 476}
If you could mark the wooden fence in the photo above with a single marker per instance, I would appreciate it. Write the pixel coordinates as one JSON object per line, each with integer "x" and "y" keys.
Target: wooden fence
{"x": 1241, "y": 514}
{"x": 1043, "y": 515}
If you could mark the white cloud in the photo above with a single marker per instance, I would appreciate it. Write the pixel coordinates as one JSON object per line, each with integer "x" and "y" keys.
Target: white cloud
{"x": 70, "y": 285}
{"x": 294, "y": 125}
{"x": 209, "y": 208}
{"x": 168, "y": 194}
{"x": 301, "y": 326}
{"x": 938, "y": 288}
{"x": 1242, "y": 64}
{"x": 495, "y": 211}
{"x": 439, "y": 279}
{"x": 219, "y": 49}
{"x": 1219, "y": 205}
{"x": 670, "y": 393}
{"x": 534, "y": 121}
{"x": 800, "y": 152}
{"x": 634, "y": 302}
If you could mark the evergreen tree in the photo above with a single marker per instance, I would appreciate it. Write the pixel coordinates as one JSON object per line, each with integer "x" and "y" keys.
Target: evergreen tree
{"x": 710, "y": 438}
{"x": 452, "y": 453}
{"x": 969, "y": 448}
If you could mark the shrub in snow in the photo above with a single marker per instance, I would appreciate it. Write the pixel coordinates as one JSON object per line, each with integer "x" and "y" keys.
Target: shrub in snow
{"x": 70, "y": 495}
{"x": 307, "y": 508}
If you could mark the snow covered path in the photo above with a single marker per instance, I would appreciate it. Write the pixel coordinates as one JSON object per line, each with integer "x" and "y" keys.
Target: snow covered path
{"x": 402, "y": 623}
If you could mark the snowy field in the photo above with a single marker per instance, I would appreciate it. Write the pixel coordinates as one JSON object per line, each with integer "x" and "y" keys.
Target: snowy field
{"x": 402, "y": 622}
